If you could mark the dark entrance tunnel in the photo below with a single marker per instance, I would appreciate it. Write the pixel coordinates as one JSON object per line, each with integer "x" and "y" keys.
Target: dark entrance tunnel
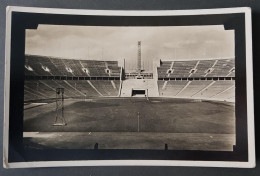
{"x": 138, "y": 92}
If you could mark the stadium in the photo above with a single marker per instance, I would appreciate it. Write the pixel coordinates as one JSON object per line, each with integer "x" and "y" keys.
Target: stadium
{"x": 95, "y": 104}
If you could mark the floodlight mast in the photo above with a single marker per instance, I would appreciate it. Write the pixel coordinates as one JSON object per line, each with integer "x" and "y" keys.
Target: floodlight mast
{"x": 59, "y": 119}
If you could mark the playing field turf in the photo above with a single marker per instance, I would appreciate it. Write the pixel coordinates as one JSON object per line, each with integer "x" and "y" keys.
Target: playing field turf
{"x": 134, "y": 123}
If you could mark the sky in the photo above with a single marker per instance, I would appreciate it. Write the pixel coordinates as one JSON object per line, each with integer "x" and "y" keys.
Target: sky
{"x": 119, "y": 43}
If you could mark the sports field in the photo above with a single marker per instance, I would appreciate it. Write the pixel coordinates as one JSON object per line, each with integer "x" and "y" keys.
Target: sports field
{"x": 133, "y": 123}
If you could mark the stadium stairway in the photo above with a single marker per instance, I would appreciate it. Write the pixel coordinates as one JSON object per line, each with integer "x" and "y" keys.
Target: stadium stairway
{"x": 146, "y": 84}
{"x": 152, "y": 87}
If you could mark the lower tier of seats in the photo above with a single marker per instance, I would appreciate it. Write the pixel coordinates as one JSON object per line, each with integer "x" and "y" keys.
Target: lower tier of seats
{"x": 199, "y": 89}
{"x": 46, "y": 89}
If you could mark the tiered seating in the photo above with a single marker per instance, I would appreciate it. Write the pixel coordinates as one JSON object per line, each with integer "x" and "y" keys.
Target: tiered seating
{"x": 182, "y": 68}
{"x": 84, "y": 87}
{"x": 27, "y": 72}
{"x": 197, "y": 87}
{"x": 105, "y": 87}
{"x": 232, "y": 74}
{"x": 98, "y": 68}
{"x": 95, "y": 67}
{"x": 204, "y": 89}
{"x": 28, "y": 96}
{"x": 222, "y": 68}
{"x": 162, "y": 70}
{"x": 71, "y": 64}
{"x": 193, "y": 88}
{"x": 216, "y": 89}
{"x": 70, "y": 89}
{"x": 46, "y": 89}
{"x": 39, "y": 89}
{"x": 37, "y": 64}
{"x": 230, "y": 93}
{"x": 49, "y": 66}
{"x": 58, "y": 67}
{"x": 172, "y": 87}
{"x": 202, "y": 68}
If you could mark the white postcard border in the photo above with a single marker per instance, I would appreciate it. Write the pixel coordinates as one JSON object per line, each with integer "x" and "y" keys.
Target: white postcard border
{"x": 249, "y": 82}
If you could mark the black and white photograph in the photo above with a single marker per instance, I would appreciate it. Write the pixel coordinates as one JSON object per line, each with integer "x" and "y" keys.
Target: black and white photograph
{"x": 130, "y": 88}
{"x": 162, "y": 87}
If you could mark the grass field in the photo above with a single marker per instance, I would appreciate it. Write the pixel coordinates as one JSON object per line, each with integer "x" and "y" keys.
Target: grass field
{"x": 133, "y": 123}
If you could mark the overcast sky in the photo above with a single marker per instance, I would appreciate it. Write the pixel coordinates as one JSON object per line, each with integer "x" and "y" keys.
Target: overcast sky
{"x": 117, "y": 43}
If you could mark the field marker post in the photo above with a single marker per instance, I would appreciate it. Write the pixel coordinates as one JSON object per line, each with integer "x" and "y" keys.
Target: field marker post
{"x": 138, "y": 118}
{"x": 165, "y": 146}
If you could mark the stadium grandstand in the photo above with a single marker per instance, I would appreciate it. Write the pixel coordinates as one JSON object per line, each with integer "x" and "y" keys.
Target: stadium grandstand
{"x": 197, "y": 79}
{"x": 179, "y": 105}
{"x": 200, "y": 79}
{"x": 79, "y": 78}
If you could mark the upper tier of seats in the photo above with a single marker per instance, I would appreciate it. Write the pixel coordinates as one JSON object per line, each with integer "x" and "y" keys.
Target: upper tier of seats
{"x": 197, "y": 68}
{"x": 50, "y": 66}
